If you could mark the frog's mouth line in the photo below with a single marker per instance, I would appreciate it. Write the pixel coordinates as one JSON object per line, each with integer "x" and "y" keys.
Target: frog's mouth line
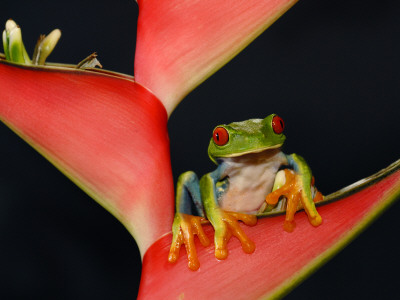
{"x": 259, "y": 150}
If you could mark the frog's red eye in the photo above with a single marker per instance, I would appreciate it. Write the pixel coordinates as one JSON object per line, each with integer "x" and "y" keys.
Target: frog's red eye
{"x": 220, "y": 136}
{"x": 277, "y": 124}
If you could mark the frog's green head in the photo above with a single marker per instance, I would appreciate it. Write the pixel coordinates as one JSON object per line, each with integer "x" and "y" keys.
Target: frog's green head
{"x": 251, "y": 136}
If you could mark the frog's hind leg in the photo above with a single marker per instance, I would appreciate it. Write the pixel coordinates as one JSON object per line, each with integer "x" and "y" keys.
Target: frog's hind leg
{"x": 186, "y": 225}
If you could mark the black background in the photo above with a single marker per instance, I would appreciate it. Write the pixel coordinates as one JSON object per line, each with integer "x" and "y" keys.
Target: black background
{"x": 330, "y": 69}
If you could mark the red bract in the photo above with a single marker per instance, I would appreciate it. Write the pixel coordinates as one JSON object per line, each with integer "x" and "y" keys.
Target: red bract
{"x": 106, "y": 132}
{"x": 181, "y": 43}
{"x": 281, "y": 259}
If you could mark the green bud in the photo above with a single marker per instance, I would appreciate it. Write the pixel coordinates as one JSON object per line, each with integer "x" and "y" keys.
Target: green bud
{"x": 45, "y": 46}
{"x": 13, "y": 45}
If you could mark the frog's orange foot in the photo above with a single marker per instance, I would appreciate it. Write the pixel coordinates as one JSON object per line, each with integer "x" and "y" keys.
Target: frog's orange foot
{"x": 292, "y": 191}
{"x": 184, "y": 228}
{"x": 232, "y": 227}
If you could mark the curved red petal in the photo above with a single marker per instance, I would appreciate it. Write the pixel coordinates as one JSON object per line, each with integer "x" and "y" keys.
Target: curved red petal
{"x": 281, "y": 260}
{"x": 107, "y": 133}
{"x": 181, "y": 43}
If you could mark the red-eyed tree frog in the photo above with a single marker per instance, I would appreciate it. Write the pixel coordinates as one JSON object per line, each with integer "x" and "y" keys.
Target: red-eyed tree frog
{"x": 253, "y": 176}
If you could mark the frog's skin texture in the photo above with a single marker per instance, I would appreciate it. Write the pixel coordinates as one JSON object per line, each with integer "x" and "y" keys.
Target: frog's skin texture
{"x": 252, "y": 176}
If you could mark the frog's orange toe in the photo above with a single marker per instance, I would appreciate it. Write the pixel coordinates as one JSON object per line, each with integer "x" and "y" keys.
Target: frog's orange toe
{"x": 289, "y": 226}
{"x": 249, "y": 220}
{"x": 248, "y": 246}
{"x": 172, "y": 257}
{"x": 193, "y": 265}
{"x": 221, "y": 253}
{"x": 316, "y": 221}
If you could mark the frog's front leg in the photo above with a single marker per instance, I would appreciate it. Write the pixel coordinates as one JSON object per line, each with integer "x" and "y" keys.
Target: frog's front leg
{"x": 299, "y": 191}
{"x": 225, "y": 223}
{"x": 185, "y": 224}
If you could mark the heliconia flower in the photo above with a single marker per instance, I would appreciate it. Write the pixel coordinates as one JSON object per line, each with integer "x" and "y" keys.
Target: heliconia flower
{"x": 107, "y": 132}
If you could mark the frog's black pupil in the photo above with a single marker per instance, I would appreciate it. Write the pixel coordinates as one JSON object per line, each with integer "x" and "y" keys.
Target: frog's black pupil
{"x": 280, "y": 121}
{"x": 217, "y": 136}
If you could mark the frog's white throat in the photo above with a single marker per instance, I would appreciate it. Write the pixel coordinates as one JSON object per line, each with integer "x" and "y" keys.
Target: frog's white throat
{"x": 251, "y": 177}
